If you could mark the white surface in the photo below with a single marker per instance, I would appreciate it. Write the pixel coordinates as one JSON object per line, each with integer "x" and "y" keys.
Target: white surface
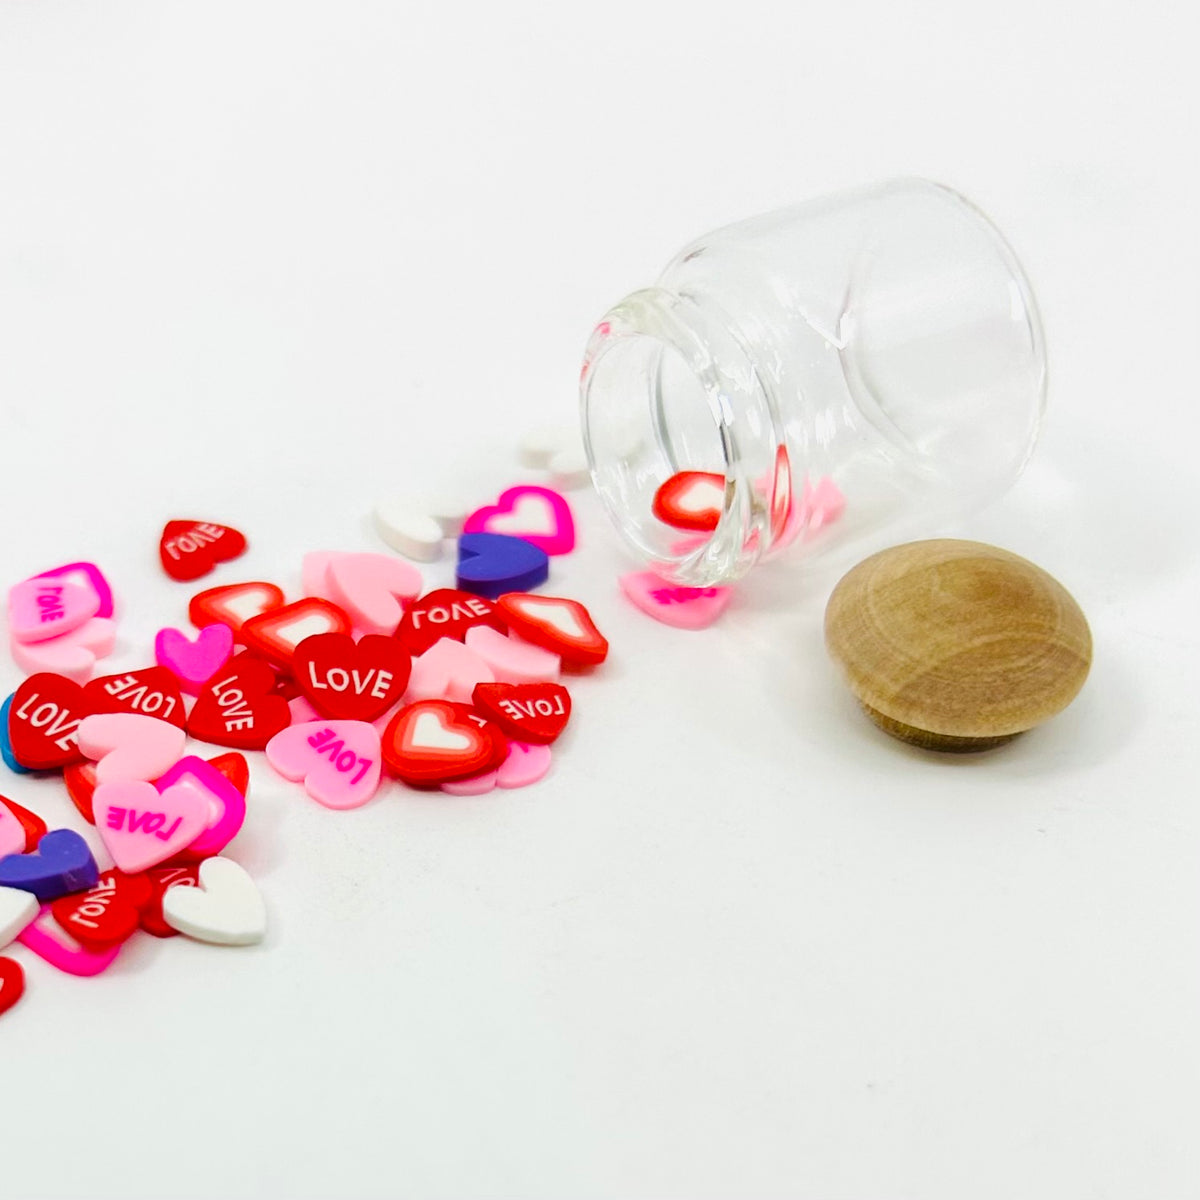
{"x": 266, "y": 262}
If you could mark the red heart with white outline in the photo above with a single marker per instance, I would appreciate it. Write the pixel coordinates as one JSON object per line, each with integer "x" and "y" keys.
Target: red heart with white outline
{"x": 690, "y": 500}
{"x": 234, "y": 604}
{"x": 353, "y": 681}
{"x": 189, "y": 549}
{"x": 433, "y": 740}
{"x": 555, "y": 623}
{"x": 275, "y": 635}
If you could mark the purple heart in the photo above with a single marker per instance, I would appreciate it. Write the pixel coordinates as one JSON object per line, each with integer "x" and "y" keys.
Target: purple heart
{"x": 61, "y": 864}
{"x": 490, "y": 564}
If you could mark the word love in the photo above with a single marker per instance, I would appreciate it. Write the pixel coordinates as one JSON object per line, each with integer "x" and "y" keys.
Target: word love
{"x": 339, "y": 761}
{"x": 48, "y": 599}
{"x": 373, "y": 682}
{"x": 231, "y": 700}
{"x": 55, "y": 721}
{"x": 129, "y": 693}
{"x": 682, "y": 607}
{"x": 145, "y": 822}
{"x": 680, "y": 595}
{"x": 189, "y": 549}
{"x": 328, "y": 744}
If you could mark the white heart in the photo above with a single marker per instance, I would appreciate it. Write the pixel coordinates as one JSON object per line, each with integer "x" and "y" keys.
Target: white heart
{"x": 428, "y": 733}
{"x": 405, "y": 527}
{"x": 17, "y": 909}
{"x": 226, "y": 908}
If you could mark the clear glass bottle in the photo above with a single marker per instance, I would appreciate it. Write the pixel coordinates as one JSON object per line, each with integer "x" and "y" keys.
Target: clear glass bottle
{"x": 856, "y": 368}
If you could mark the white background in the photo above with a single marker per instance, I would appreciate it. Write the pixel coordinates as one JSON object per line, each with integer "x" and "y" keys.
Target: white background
{"x": 266, "y": 262}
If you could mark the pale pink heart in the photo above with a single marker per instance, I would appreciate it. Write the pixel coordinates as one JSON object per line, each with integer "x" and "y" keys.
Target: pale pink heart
{"x": 194, "y": 663}
{"x": 338, "y": 761}
{"x": 682, "y": 607}
{"x": 71, "y": 654}
{"x": 373, "y": 589}
{"x": 510, "y": 659}
{"x": 537, "y": 514}
{"x": 473, "y": 785}
{"x": 820, "y": 505}
{"x": 313, "y": 570}
{"x": 39, "y": 609}
{"x": 448, "y": 670}
{"x": 12, "y": 833}
{"x": 524, "y": 765}
{"x": 141, "y": 826}
{"x": 129, "y": 746}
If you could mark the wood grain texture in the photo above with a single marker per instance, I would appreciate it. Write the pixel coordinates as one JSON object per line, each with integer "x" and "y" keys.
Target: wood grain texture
{"x": 956, "y": 645}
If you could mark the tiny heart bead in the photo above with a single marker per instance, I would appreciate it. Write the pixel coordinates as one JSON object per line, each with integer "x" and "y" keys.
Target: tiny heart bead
{"x": 537, "y": 515}
{"x": 12, "y": 983}
{"x": 490, "y": 564}
{"x": 194, "y": 662}
{"x": 407, "y": 528}
{"x": 72, "y": 655}
{"x": 17, "y": 909}
{"x": 43, "y": 721}
{"x": 150, "y": 692}
{"x": 528, "y": 712}
{"x": 85, "y": 575}
{"x": 275, "y": 635}
{"x": 51, "y": 942}
{"x": 142, "y": 826}
{"x": 62, "y": 863}
{"x": 189, "y": 549}
{"x": 32, "y": 827}
{"x": 44, "y": 608}
{"x": 436, "y": 740}
{"x": 372, "y": 589}
{"x": 445, "y": 613}
{"x": 345, "y": 680}
{"x": 223, "y": 801}
{"x": 511, "y": 660}
{"x": 681, "y": 607}
{"x": 339, "y": 762}
{"x": 555, "y": 623}
{"x": 234, "y": 604}
{"x": 225, "y": 908}
{"x": 129, "y": 746}
{"x": 448, "y": 670}
{"x": 239, "y": 707}
{"x": 690, "y": 500}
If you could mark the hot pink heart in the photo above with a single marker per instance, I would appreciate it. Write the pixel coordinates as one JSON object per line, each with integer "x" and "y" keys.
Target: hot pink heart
{"x": 194, "y": 663}
{"x": 339, "y": 761}
{"x": 536, "y": 514}
{"x": 683, "y": 607}
{"x": 141, "y": 826}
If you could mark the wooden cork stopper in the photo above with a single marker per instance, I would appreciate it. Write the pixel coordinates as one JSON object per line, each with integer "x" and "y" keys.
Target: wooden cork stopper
{"x": 955, "y": 645}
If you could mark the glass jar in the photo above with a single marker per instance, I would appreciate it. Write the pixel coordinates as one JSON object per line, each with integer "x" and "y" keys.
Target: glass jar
{"x": 852, "y": 370}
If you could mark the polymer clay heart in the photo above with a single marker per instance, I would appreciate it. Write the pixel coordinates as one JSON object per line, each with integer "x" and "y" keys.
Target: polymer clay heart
{"x": 435, "y": 740}
{"x": 555, "y": 623}
{"x": 538, "y": 515}
{"x": 445, "y": 613}
{"x": 276, "y": 634}
{"x": 527, "y": 712}
{"x": 490, "y": 564}
{"x": 339, "y": 762}
{"x": 682, "y": 607}
{"x": 44, "y": 608}
{"x": 51, "y": 942}
{"x": 511, "y": 660}
{"x": 12, "y": 983}
{"x": 17, "y": 909}
{"x": 372, "y": 589}
{"x": 234, "y": 767}
{"x": 106, "y": 914}
{"x": 142, "y": 826}
{"x": 406, "y": 527}
{"x": 85, "y": 575}
{"x": 72, "y": 655}
{"x": 225, "y": 907}
{"x": 129, "y": 746}
{"x": 43, "y": 721}
{"x": 62, "y": 863}
{"x": 194, "y": 662}
{"x": 189, "y": 549}
{"x": 222, "y": 799}
{"x": 233, "y": 604}
{"x": 348, "y": 680}
{"x": 448, "y": 670}
{"x": 12, "y": 832}
{"x": 164, "y": 877}
{"x": 239, "y": 707}
{"x": 150, "y": 692}
{"x": 690, "y": 500}
{"x": 13, "y": 817}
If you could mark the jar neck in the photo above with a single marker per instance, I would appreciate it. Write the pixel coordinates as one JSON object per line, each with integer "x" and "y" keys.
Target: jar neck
{"x": 667, "y": 386}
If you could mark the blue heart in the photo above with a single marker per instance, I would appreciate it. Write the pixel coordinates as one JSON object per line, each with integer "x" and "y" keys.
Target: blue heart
{"x": 490, "y": 564}
{"x": 62, "y": 864}
{"x": 6, "y": 750}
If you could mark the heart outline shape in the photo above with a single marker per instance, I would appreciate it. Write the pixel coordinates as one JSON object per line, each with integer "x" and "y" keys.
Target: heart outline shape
{"x": 538, "y": 515}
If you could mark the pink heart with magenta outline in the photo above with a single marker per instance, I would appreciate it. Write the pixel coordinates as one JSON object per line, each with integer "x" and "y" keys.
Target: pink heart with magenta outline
{"x": 226, "y": 805}
{"x": 141, "y": 826}
{"x": 39, "y": 609}
{"x": 536, "y": 514}
{"x": 339, "y": 761}
{"x": 129, "y": 746}
{"x": 682, "y": 607}
{"x": 194, "y": 663}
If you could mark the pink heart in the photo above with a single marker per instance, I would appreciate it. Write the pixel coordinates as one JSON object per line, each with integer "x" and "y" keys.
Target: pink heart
{"x": 39, "y": 609}
{"x": 373, "y": 589}
{"x": 448, "y": 670}
{"x": 194, "y": 663}
{"x": 86, "y": 575}
{"x": 71, "y": 654}
{"x": 339, "y": 761}
{"x": 313, "y": 570}
{"x": 226, "y": 805}
{"x": 12, "y": 832}
{"x": 129, "y": 746}
{"x": 141, "y": 826}
{"x": 525, "y": 764}
{"x": 510, "y": 659}
{"x": 536, "y": 514}
{"x": 683, "y": 607}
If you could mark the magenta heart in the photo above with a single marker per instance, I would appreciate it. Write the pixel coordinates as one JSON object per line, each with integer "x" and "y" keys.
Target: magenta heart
{"x": 194, "y": 663}
{"x": 534, "y": 514}
{"x": 141, "y": 826}
{"x": 683, "y": 607}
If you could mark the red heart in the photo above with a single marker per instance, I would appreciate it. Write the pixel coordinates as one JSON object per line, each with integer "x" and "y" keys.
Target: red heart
{"x": 189, "y": 549}
{"x": 150, "y": 692}
{"x": 107, "y": 913}
{"x": 234, "y": 604}
{"x": 161, "y": 879}
{"x": 33, "y": 825}
{"x": 235, "y": 768}
{"x": 690, "y": 500}
{"x": 435, "y": 740}
{"x": 43, "y": 719}
{"x": 447, "y": 613}
{"x": 527, "y": 712}
{"x": 276, "y": 634}
{"x": 352, "y": 681}
{"x": 555, "y": 623}
{"x": 12, "y": 983}
{"x": 238, "y": 706}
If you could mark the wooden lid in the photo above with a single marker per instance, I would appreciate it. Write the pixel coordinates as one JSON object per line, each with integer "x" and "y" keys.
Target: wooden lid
{"x": 957, "y": 645}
